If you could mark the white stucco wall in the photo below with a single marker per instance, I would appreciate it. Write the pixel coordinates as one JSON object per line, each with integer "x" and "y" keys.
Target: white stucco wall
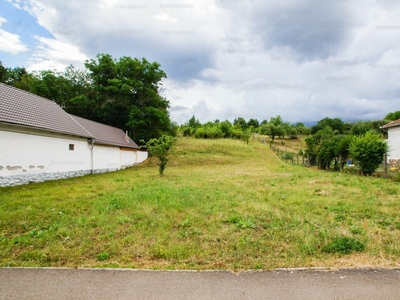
{"x": 30, "y": 155}
{"x": 129, "y": 157}
{"x": 26, "y": 151}
{"x": 394, "y": 143}
{"x": 106, "y": 157}
{"x": 141, "y": 156}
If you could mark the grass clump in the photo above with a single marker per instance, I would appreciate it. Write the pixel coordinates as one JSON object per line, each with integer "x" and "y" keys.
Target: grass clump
{"x": 242, "y": 223}
{"x": 344, "y": 245}
{"x": 103, "y": 256}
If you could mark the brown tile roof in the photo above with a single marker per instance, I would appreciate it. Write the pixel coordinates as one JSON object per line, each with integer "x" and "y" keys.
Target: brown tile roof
{"x": 391, "y": 124}
{"x": 105, "y": 134}
{"x": 22, "y": 108}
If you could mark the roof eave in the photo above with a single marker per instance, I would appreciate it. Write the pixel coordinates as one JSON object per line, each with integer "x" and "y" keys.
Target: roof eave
{"x": 45, "y": 129}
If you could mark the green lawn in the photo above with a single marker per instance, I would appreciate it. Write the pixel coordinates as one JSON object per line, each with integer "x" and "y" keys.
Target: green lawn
{"x": 221, "y": 204}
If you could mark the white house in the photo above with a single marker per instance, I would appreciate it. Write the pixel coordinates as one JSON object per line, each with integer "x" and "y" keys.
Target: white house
{"x": 40, "y": 141}
{"x": 393, "y": 130}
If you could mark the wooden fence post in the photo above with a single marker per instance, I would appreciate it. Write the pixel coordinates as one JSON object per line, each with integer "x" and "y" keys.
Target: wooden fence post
{"x": 385, "y": 167}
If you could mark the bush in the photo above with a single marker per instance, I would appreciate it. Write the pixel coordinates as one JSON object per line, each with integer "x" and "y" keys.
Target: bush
{"x": 213, "y": 132}
{"x": 200, "y": 133}
{"x": 367, "y": 151}
{"x": 103, "y": 256}
{"x": 287, "y": 155}
{"x": 353, "y": 170}
{"x": 344, "y": 245}
{"x": 237, "y": 133}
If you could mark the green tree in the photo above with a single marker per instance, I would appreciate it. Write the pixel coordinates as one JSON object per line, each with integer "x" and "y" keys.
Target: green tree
{"x": 393, "y": 116}
{"x": 302, "y": 129}
{"x": 127, "y": 94}
{"x": 273, "y": 130}
{"x": 361, "y": 127}
{"x": 254, "y": 123}
{"x": 246, "y": 135}
{"x": 193, "y": 123}
{"x": 14, "y": 75}
{"x": 277, "y": 120}
{"x": 226, "y": 128}
{"x": 3, "y": 73}
{"x": 160, "y": 147}
{"x": 240, "y": 123}
{"x": 335, "y": 124}
{"x": 367, "y": 151}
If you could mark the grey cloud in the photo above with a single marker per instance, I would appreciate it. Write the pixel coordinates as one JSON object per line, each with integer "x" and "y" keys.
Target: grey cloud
{"x": 178, "y": 108}
{"x": 311, "y": 29}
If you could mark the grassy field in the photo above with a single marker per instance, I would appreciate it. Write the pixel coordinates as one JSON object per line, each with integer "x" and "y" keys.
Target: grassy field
{"x": 221, "y": 204}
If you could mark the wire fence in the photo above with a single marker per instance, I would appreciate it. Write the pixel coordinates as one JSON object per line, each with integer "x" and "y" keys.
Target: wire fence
{"x": 286, "y": 155}
{"x": 389, "y": 168}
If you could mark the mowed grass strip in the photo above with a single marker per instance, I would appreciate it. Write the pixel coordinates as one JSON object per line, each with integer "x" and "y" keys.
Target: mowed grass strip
{"x": 221, "y": 204}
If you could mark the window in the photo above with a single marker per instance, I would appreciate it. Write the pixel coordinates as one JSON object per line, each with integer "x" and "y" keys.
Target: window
{"x": 71, "y": 147}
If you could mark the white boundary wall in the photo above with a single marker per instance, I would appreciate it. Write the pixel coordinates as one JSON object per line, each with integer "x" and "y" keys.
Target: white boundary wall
{"x": 29, "y": 155}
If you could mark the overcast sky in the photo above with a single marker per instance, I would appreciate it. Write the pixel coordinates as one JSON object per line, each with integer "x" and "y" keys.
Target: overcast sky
{"x": 301, "y": 59}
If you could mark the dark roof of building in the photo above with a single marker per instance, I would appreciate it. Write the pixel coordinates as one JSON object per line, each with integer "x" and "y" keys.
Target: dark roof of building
{"x": 22, "y": 108}
{"x": 106, "y": 134}
{"x": 392, "y": 124}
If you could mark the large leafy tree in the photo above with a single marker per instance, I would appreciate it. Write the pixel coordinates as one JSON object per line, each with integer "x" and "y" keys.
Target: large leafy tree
{"x": 327, "y": 146}
{"x": 254, "y": 123}
{"x": 241, "y": 123}
{"x": 275, "y": 127}
{"x": 11, "y": 76}
{"x": 335, "y": 124}
{"x": 126, "y": 93}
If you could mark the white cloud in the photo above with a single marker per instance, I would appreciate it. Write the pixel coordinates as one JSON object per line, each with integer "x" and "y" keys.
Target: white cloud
{"x": 165, "y": 17}
{"x": 54, "y": 54}
{"x": 10, "y": 42}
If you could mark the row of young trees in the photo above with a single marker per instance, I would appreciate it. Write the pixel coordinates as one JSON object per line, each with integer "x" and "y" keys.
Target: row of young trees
{"x": 124, "y": 93}
{"x": 242, "y": 129}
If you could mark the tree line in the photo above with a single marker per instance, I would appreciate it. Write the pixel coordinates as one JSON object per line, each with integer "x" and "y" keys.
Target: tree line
{"x": 242, "y": 129}
{"x": 124, "y": 93}
{"x": 330, "y": 143}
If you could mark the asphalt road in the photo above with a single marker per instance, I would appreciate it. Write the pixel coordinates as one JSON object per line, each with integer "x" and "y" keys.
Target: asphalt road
{"x": 33, "y": 283}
